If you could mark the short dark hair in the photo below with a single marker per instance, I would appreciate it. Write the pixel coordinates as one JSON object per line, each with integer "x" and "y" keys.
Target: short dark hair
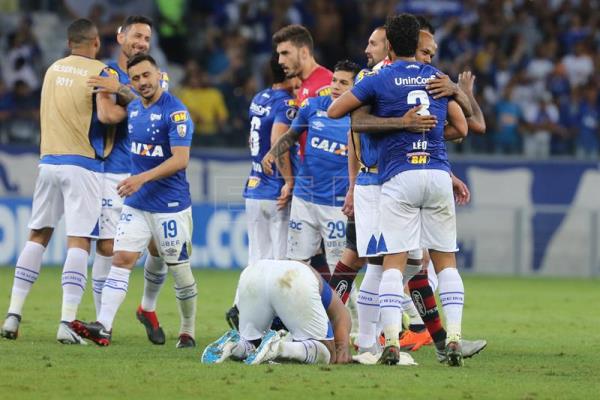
{"x": 81, "y": 30}
{"x": 425, "y": 24}
{"x": 347, "y": 65}
{"x": 138, "y": 58}
{"x": 402, "y": 32}
{"x": 276, "y": 69}
{"x": 134, "y": 19}
{"x": 298, "y": 35}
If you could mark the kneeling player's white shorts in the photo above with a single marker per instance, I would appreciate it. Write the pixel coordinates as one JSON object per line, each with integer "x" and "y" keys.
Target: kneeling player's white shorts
{"x": 366, "y": 219}
{"x": 417, "y": 211}
{"x": 172, "y": 233}
{"x": 312, "y": 223}
{"x": 112, "y": 204}
{"x": 267, "y": 230}
{"x": 284, "y": 288}
{"x": 70, "y": 190}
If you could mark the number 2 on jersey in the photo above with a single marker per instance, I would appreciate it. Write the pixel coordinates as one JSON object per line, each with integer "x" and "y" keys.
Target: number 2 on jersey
{"x": 254, "y": 136}
{"x": 423, "y": 98}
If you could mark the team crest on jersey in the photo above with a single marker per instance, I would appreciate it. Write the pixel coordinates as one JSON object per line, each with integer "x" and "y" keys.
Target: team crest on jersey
{"x": 181, "y": 130}
{"x": 147, "y": 150}
{"x": 253, "y": 182}
{"x": 418, "y": 158}
{"x": 134, "y": 114}
{"x": 291, "y": 113}
{"x": 179, "y": 116}
{"x": 155, "y": 117}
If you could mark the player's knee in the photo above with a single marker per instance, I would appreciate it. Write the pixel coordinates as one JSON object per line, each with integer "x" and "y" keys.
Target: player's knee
{"x": 104, "y": 247}
{"x": 41, "y": 236}
{"x": 79, "y": 242}
{"x": 125, "y": 259}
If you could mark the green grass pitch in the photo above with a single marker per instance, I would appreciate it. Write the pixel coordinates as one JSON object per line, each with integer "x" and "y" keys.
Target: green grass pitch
{"x": 543, "y": 335}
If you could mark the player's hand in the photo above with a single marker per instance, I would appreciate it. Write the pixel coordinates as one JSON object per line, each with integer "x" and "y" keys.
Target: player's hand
{"x": 414, "y": 122}
{"x": 441, "y": 86}
{"x": 129, "y": 186}
{"x": 104, "y": 84}
{"x": 462, "y": 195}
{"x": 466, "y": 80}
{"x": 267, "y": 163}
{"x": 342, "y": 355}
{"x": 348, "y": 207}
{"x": 284, "y": 196}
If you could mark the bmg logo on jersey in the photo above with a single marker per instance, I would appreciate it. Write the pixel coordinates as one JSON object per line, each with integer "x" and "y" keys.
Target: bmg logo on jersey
{"x": 147, "y": 150}
{"x": 295, "y": 225}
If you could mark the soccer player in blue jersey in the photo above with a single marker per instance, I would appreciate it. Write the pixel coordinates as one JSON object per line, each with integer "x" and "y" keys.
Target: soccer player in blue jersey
{"x": 417, "y": 204}
{"x": 322, "y": 179}
{"x": 267, "y": 196}
{"x": 134, "y": 37}
{"x": 157, "y": 199}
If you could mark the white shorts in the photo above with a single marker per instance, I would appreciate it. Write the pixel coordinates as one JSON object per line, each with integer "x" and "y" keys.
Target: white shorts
{"x": 284, "y": 288}
{"x": 417, "y": 211}
{"x": 112, "y": 204}
{"x": 70, "y": 190}
{"x": 172, "y": 233}
{"x": 366, "y": 219}
{"x": 267, "y": 230}
{"x": 310, "y": 224}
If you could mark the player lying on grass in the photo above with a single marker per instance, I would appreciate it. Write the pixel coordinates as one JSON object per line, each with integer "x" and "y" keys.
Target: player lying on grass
{"x": 316, "y": 318}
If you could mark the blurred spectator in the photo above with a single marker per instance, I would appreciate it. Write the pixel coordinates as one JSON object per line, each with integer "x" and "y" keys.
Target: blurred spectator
{"x": 6, "y": 107}
{"x": 579, "y": 65}
{"x": 542, "y": 120}
{"x": 205, "y": 104}
{"x": 587, "y": 124}
{"x": 21, "y": 61}
{"x": 172, "y": 29}
{"x": 23, "y": 122}
{"x": 508, "y": 120}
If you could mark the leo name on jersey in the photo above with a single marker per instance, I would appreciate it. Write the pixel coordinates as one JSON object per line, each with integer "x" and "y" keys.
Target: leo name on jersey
{"x": 323, "y": 176}
{"x": 268, "y": 107}
{"x": 153, "y": 132}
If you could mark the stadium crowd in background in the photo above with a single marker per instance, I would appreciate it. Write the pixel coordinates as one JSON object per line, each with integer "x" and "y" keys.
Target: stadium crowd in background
{"x": 537, "y": 63}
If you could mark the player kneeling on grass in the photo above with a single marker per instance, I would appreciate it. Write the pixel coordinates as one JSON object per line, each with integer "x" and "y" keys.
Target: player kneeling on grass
{"x": 316, "y": 318}
{"x": 157, "y": 204}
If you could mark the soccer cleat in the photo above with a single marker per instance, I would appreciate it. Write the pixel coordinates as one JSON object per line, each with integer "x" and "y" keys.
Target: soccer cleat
{"x": 94, "y": 331}
{"x": 412, "y": 341}
{"x": 390, "y": 355}
{"x": 220, "y": 350}
{"x": 366, "y": 358}
{"x": 185, "y": 341}
{"x": 153, "y": 329}
{"x": 469, "y": 349}
{"x": 67, "y": 335}
{"x": 232, "y": 316}
{"x": 267, "y": 351}
{"x": 10, "y": 328}
{"x": 454, "y": 356}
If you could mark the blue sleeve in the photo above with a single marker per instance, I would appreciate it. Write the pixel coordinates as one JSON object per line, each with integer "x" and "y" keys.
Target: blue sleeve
{"x": 364, "y": 90}
{"x": 300, "y": 123}
{"x": 326, "y": 294}
{"x": 285, "y": 112}
{"x": 181, "y": 127}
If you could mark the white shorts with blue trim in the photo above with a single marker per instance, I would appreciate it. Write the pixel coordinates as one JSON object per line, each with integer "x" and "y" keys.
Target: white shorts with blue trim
{"x": 172, "y": 233}
{"x": 267, "y": 230}
{"x": 286, "y": 289}
{"x": 112, "y": 204}
{"x": 68, "y": 190}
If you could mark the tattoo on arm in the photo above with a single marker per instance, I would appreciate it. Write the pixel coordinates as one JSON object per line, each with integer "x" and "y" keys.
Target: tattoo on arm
{"x": 280, "y": 149}
{"x": 125, "y": 94}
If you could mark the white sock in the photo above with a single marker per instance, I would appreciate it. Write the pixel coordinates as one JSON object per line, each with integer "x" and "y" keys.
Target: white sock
{"x": 452, "y": 297}
{"x": 26, "y": 273}
{"x": 185, "y": 291}
{"x": 390, "y": 305}
{"x": 74, "y": 279}
{"x": 368, "y": 306}
{"x": 306, "y": 351}
{"x": 409, "y": 272}
{"x": 113, "y": 294}
{"x": 432, "y": 276}
{"x": 100, "y": 270}
{"x": 409, "y": 307}
{"x": 155, "y": 272}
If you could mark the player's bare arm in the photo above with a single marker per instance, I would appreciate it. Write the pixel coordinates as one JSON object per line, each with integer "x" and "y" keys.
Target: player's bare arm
{"x": 178, "y": 161}
{"x": 108, "y": 111}
{"x": 344, "y": 104}
{"x": 462, "y": 195}
{"x": 442, "y": 86}
{"x": 353, "y": 167}
{"x": 279, "y": 150}
{"x": 476, "y": 121}
{"x": 457, "y": 127}
{"x": 105, "y": 84}
{"x": 364, "y": 122}
{"x": 340, "y": 319}
{"x": 284, "y": 166}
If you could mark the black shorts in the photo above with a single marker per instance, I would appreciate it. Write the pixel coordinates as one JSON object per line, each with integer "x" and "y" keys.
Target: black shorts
{"x": 351, "y": 234}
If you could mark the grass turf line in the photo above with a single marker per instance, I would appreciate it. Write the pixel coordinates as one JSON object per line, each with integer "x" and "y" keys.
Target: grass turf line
{"x": 542, "y": 333}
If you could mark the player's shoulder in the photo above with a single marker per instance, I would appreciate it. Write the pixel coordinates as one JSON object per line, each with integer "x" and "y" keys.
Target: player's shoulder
{"x": 174, "y": 107}
{"x": 323, "y": 73}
